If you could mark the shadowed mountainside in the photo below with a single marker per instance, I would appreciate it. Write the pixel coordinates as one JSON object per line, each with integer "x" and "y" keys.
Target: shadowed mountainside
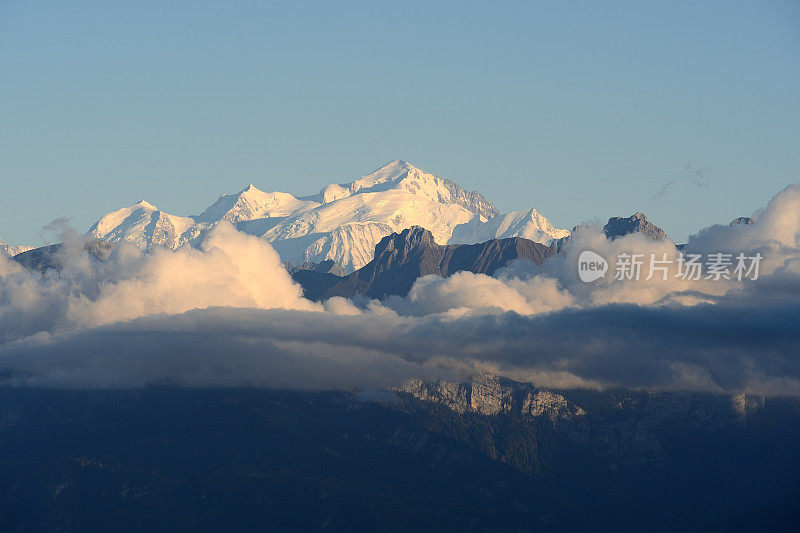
{"x": 638, "y": 222}
{"x": 48, "y": 257}
{"x": 486, "y": 455}
{"x": 401, "y": 258}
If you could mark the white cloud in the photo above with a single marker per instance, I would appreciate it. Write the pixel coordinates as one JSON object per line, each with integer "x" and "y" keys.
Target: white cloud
{"x": 230, "y": 315}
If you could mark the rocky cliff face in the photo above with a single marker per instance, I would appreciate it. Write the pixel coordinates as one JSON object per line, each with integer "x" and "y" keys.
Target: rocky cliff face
{"x": 329, "y": 266}
{"x": 741, "y": 220}
{"x": 401, "y": 258}
{"x": 627, "y": 428}
{"x": 621, "y": 226}
{"x": 471, "y": 200}
{"x": 487, "y": 394}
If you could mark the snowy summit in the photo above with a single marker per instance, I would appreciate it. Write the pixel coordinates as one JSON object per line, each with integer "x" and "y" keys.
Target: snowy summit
{"x": 343, "y": 222}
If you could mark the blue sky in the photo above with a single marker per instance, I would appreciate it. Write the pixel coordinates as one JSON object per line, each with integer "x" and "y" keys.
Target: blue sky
{"x": 584, "y": 111}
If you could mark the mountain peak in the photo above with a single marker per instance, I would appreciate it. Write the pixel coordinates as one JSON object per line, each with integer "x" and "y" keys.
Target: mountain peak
{"x": 529, "y": 224}
{"x": 396, "y": 164}
{"x": 250, "y": 191}
{"x": 343, "y": 221}
{"x": 409, "y": 237}
{"x": 401, "y": 258}
{"x": 145, "y": 205}
{"x": 416, "y": 235}
{"x": 621, "y": 226}
{"x": 389, "y": 173}
{"x": 252, "y": 203}
{"x": 400, "y": 174}
{"x": 746, "y": 221}
{"x": 11, "y": 251}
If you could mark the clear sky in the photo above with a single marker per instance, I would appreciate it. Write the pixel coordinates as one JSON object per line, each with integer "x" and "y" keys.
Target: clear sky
{"x": 688, "y": 111}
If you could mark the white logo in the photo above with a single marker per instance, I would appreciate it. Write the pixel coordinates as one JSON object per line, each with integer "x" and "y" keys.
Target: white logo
{"x": 591, "y": 266}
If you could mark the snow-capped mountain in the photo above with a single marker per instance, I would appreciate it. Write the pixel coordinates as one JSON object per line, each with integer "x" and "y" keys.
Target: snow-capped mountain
{"x": 11, "y": 251}
{"x": 343, "y": 222}
{"x": 528, "y": 224}
{"x": 144, "y": 226}
{"x": 253, "y": 204}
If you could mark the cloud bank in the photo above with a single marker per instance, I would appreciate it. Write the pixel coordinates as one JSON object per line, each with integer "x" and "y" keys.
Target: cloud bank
{"x": 229, "y": 315}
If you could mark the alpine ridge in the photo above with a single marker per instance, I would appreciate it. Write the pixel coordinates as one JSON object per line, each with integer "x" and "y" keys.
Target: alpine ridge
{"x": 341, "y": 223}
{"x": 401, "y": 258}
{"x": 10, "y": 250}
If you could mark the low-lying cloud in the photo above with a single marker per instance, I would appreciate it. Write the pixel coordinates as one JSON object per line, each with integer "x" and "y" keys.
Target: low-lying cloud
{"x": 230, "y": 315}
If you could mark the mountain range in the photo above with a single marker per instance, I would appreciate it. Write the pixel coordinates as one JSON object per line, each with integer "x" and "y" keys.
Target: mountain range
{"x": 342, "y": 223}
{"x": 401, "y": 258}
{"x": 10, "y": 250}
{"x": 481, "y": 454}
